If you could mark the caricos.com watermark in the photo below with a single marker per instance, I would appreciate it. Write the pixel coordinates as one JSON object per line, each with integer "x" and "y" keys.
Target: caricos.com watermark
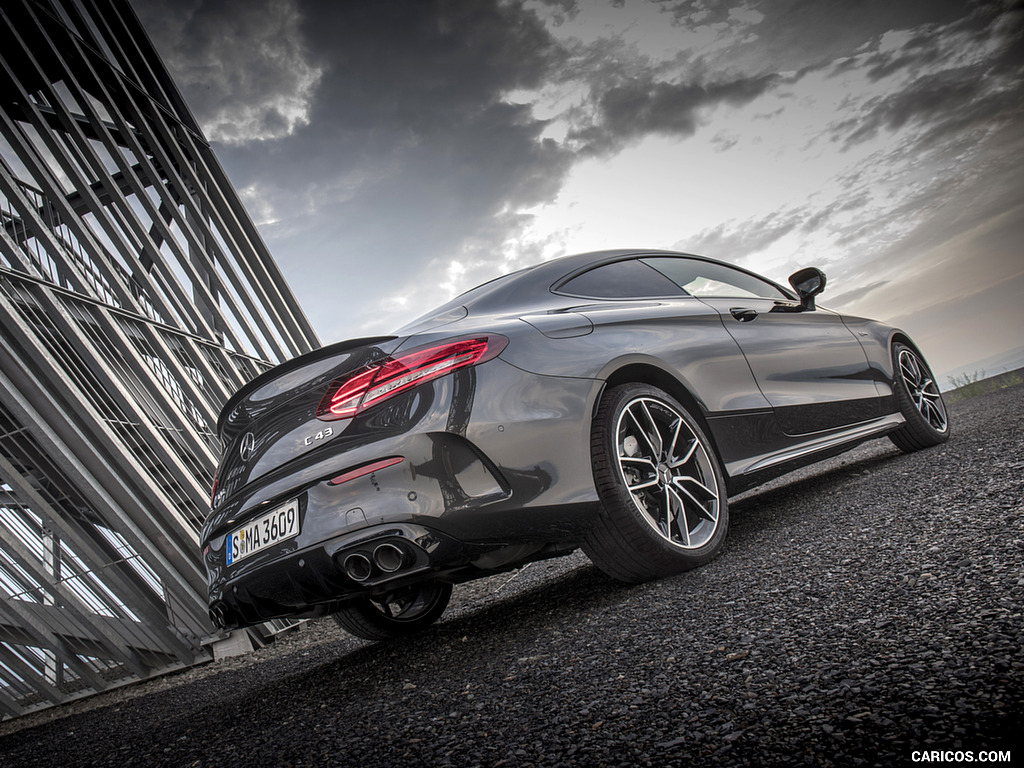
{"x": 959, "y": 756}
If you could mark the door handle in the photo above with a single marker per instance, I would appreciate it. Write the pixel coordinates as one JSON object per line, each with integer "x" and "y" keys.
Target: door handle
{"x": 743, "y": 314}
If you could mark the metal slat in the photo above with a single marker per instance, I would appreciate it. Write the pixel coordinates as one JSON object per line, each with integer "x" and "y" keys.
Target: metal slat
{"x": 148, "y": 114}
{"x": 130, "y": 181}
{"x": 260, "y": 271}
{"x": 58, "y": 318}
{"x": 75, "y": 609}
{"x": 33, "y": 679}
{"x": 142, "y": 604}
{"x": 60, "y": 384}
{"x": 44, "y": 638}
{"x": 101, "y": 482}
{"x": 82, "y": 232}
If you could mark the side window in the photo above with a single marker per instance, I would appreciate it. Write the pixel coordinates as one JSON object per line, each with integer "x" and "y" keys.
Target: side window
{"x": 705, "y": 278}
{"x": 631, "y": 279}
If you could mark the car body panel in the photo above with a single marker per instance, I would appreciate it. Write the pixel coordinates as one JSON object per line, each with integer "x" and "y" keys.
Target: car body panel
{"x": 684, "y": 336}
{"x": 809, "y": 365}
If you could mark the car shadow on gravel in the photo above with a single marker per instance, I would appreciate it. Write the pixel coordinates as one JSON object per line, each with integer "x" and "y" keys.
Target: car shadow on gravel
{"x": 539, "y": 610}
{"x": 499, "y": 626}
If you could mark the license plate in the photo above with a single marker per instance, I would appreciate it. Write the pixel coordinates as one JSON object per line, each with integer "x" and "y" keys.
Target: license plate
{"x": 272, "y": 528}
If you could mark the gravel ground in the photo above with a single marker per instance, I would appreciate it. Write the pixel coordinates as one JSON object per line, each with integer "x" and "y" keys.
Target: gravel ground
{"x": 862, "y": 609}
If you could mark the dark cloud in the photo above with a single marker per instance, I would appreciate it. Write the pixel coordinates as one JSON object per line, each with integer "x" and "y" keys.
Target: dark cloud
{"x": 795, "y": 34}
{"x": 628, "y": 111}
{"x": 410, "y": 147}
{"x": 938, "y": 95}
{"x": 381, "y": 136}
{"x": 948, "y": 101}
{"x": 562, "y": 10}
{"x": 242, "y": 64}
{"x": 825, "y": 217}
{"x": 922, "y": 50}
{"x": 381, "y": 146}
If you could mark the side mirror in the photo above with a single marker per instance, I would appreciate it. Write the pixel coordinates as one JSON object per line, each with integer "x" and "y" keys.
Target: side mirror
{"x": 808, "y": 283}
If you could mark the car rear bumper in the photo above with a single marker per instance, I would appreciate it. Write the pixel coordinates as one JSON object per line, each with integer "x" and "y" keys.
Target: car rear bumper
{"x": 321, "y": 578}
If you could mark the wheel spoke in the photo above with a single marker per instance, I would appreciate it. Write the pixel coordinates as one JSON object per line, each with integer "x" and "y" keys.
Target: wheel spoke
{"x": 654, "y": 429}
{"x": 692, "y": 449}
{"x": 666, "y": 512}
{"x": 680, "y": 516}
{"x": 640, "y": 460}
{"x": 671, "y": 451}
{"x": 643, "y": 433}
{"x": 698, "y": 487}
{"x": 923, "y": 392}
{"x": 700, "y": 497}
{"x": 935, "y": 413}
{"x": 910, "y": 369}
{"x": 640, "y": 486}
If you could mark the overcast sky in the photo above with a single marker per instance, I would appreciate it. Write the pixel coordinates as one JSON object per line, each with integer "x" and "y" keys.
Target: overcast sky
{"x": 394, "y": 154}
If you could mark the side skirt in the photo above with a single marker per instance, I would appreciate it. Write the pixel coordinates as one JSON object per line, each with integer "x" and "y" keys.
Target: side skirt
{"x": 748, "y": 472}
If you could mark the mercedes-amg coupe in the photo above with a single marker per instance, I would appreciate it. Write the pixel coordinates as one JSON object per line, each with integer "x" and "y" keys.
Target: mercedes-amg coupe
{"x": 607, "y": 401}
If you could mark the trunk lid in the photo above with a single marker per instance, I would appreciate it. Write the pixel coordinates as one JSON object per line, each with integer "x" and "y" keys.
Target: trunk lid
{"x": 272, "y": 421}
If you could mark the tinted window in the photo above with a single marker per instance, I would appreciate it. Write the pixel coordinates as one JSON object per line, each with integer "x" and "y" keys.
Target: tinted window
{"x": 705, "y": 278}
{"x": 621, "y": 280}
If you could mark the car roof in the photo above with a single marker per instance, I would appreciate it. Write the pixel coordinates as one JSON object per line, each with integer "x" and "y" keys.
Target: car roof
{"x": 533, "y": 285}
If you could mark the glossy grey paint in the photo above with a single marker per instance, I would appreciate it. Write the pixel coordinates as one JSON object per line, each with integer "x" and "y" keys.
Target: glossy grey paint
{"x": 808, "y": 365}
{"x": 496, "y": 458}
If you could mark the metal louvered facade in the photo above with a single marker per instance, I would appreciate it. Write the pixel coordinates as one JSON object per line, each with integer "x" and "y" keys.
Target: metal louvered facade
{"x": 135, "y": 296}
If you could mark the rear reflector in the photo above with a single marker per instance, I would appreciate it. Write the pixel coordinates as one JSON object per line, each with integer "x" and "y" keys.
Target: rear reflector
{"x": 376, "y": 383}
{"x": 366, "y": 469}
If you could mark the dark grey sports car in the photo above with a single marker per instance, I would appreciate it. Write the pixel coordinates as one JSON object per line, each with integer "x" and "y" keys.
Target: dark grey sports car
{"x": 610, "y": 401}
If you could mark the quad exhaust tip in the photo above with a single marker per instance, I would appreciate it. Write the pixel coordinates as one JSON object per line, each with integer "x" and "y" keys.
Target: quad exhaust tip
{"x": 358, "y": 567}
{"x": 219, "y": 615}
{"x": 388, "y": 557}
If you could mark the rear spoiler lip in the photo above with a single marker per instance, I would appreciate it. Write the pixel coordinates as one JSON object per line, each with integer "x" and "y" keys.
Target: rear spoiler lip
{"x": 290, "y": 365}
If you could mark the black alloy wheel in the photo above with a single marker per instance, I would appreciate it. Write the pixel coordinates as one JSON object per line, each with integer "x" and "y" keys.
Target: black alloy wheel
{"x": 919, "y": 400}
{"x": 666, "y": 508}
{"x": 404, "y": 612}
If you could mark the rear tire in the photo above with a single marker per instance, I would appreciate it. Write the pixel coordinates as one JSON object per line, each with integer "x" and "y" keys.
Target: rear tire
{"x": 665, "y": 503}
{"x": 401, "y": 613}
{"x": 919, "y": 400}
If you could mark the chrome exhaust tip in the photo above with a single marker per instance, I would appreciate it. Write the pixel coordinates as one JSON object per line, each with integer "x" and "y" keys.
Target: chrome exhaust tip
{"x": 219, "y": 615}
{"x": 388, "y": 557}
{"x": 358, "y": 567}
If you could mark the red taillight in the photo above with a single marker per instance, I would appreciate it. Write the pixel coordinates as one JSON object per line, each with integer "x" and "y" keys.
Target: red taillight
{"x": 376, "y": 383}
{"x": 343, "y": 398}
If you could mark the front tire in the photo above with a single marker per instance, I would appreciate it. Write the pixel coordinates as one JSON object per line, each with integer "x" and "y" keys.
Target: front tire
{"x": 665, "y": 503}
{"x": 401, "y": 613}
{"x": 919, "y": 400}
